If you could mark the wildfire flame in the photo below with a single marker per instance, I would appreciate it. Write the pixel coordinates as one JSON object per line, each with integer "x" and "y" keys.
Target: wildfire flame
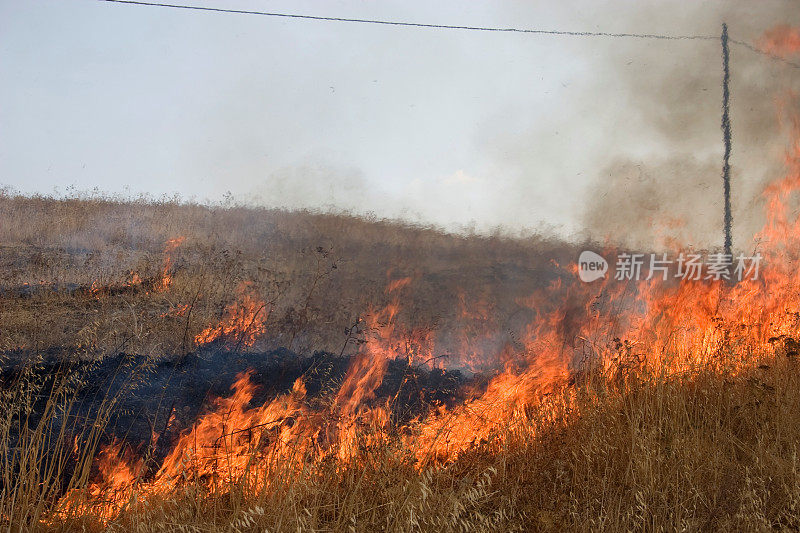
{"x": 166, "y": 270}
{"x": 619, "y": 328}
{"x": 242, "y": 322}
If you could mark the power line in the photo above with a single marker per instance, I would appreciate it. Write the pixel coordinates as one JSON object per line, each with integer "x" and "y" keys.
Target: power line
{"x": 764, "y": 53}
{"x": 422, "y": 25}
{"x": 456, "y": 27}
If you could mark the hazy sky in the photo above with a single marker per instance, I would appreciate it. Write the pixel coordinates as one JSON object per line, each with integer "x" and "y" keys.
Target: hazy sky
{"x": 449, "y": 127}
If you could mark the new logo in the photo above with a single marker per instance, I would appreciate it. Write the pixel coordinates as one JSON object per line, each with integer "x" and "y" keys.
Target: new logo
{"x": 591, "y": 266}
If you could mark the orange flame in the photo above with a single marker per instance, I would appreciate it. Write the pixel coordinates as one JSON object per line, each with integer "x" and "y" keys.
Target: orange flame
{"x": 619, "y": 328}
{"x": 166, "y": 270}
{"x": 242, "y": 322}
{"x": 118, "y": 472}
{"x": 232, "y": 440}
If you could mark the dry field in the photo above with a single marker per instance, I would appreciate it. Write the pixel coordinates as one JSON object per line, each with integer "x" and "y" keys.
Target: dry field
{"x": 343, "y": 374}
{"x": 87, "y": 276}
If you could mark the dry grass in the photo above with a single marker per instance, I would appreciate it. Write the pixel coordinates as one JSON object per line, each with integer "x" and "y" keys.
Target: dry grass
{"x": 698, "y": 451}
{"x": 322, "y": 271}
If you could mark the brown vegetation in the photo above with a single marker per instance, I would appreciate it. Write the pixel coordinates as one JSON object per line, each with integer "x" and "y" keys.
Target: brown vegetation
{"x": 66, "y": 272}
{"x": 640, "y": 444}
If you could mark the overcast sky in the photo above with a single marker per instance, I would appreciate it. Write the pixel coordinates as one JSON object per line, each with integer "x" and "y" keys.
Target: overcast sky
{"x": 454, "y": 128}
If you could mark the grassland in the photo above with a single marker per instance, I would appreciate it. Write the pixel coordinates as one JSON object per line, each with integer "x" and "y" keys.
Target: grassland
{"x": 697, "y": 450}
{"x": 702, "y": 453}
{"x": 319, "y": 272}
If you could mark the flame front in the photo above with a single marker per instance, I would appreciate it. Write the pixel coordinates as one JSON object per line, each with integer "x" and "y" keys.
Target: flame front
{"x": 618, "y": 329}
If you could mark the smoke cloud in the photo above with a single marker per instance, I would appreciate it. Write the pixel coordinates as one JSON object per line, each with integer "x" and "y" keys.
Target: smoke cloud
{"x": 672, "y": 193}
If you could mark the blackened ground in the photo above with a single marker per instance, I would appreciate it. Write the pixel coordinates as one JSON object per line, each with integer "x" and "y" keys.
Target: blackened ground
{"x": 147, "y": 394}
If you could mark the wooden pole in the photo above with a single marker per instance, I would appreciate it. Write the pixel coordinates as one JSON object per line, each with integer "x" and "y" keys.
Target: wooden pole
{"x": 726, "y": 136}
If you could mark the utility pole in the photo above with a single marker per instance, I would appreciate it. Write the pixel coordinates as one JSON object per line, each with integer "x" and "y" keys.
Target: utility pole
{"x": 726, "y": 136}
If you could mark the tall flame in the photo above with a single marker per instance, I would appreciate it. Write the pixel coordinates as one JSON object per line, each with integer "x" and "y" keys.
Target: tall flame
{"x": 616, "y": 328}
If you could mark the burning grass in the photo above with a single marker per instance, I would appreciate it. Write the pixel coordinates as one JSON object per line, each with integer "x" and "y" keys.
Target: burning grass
{"x": 704, "y": 450}
{"x": 689, "y": 421}
{"x": 657, "y": 405}
{"x": 615, "y": 404}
